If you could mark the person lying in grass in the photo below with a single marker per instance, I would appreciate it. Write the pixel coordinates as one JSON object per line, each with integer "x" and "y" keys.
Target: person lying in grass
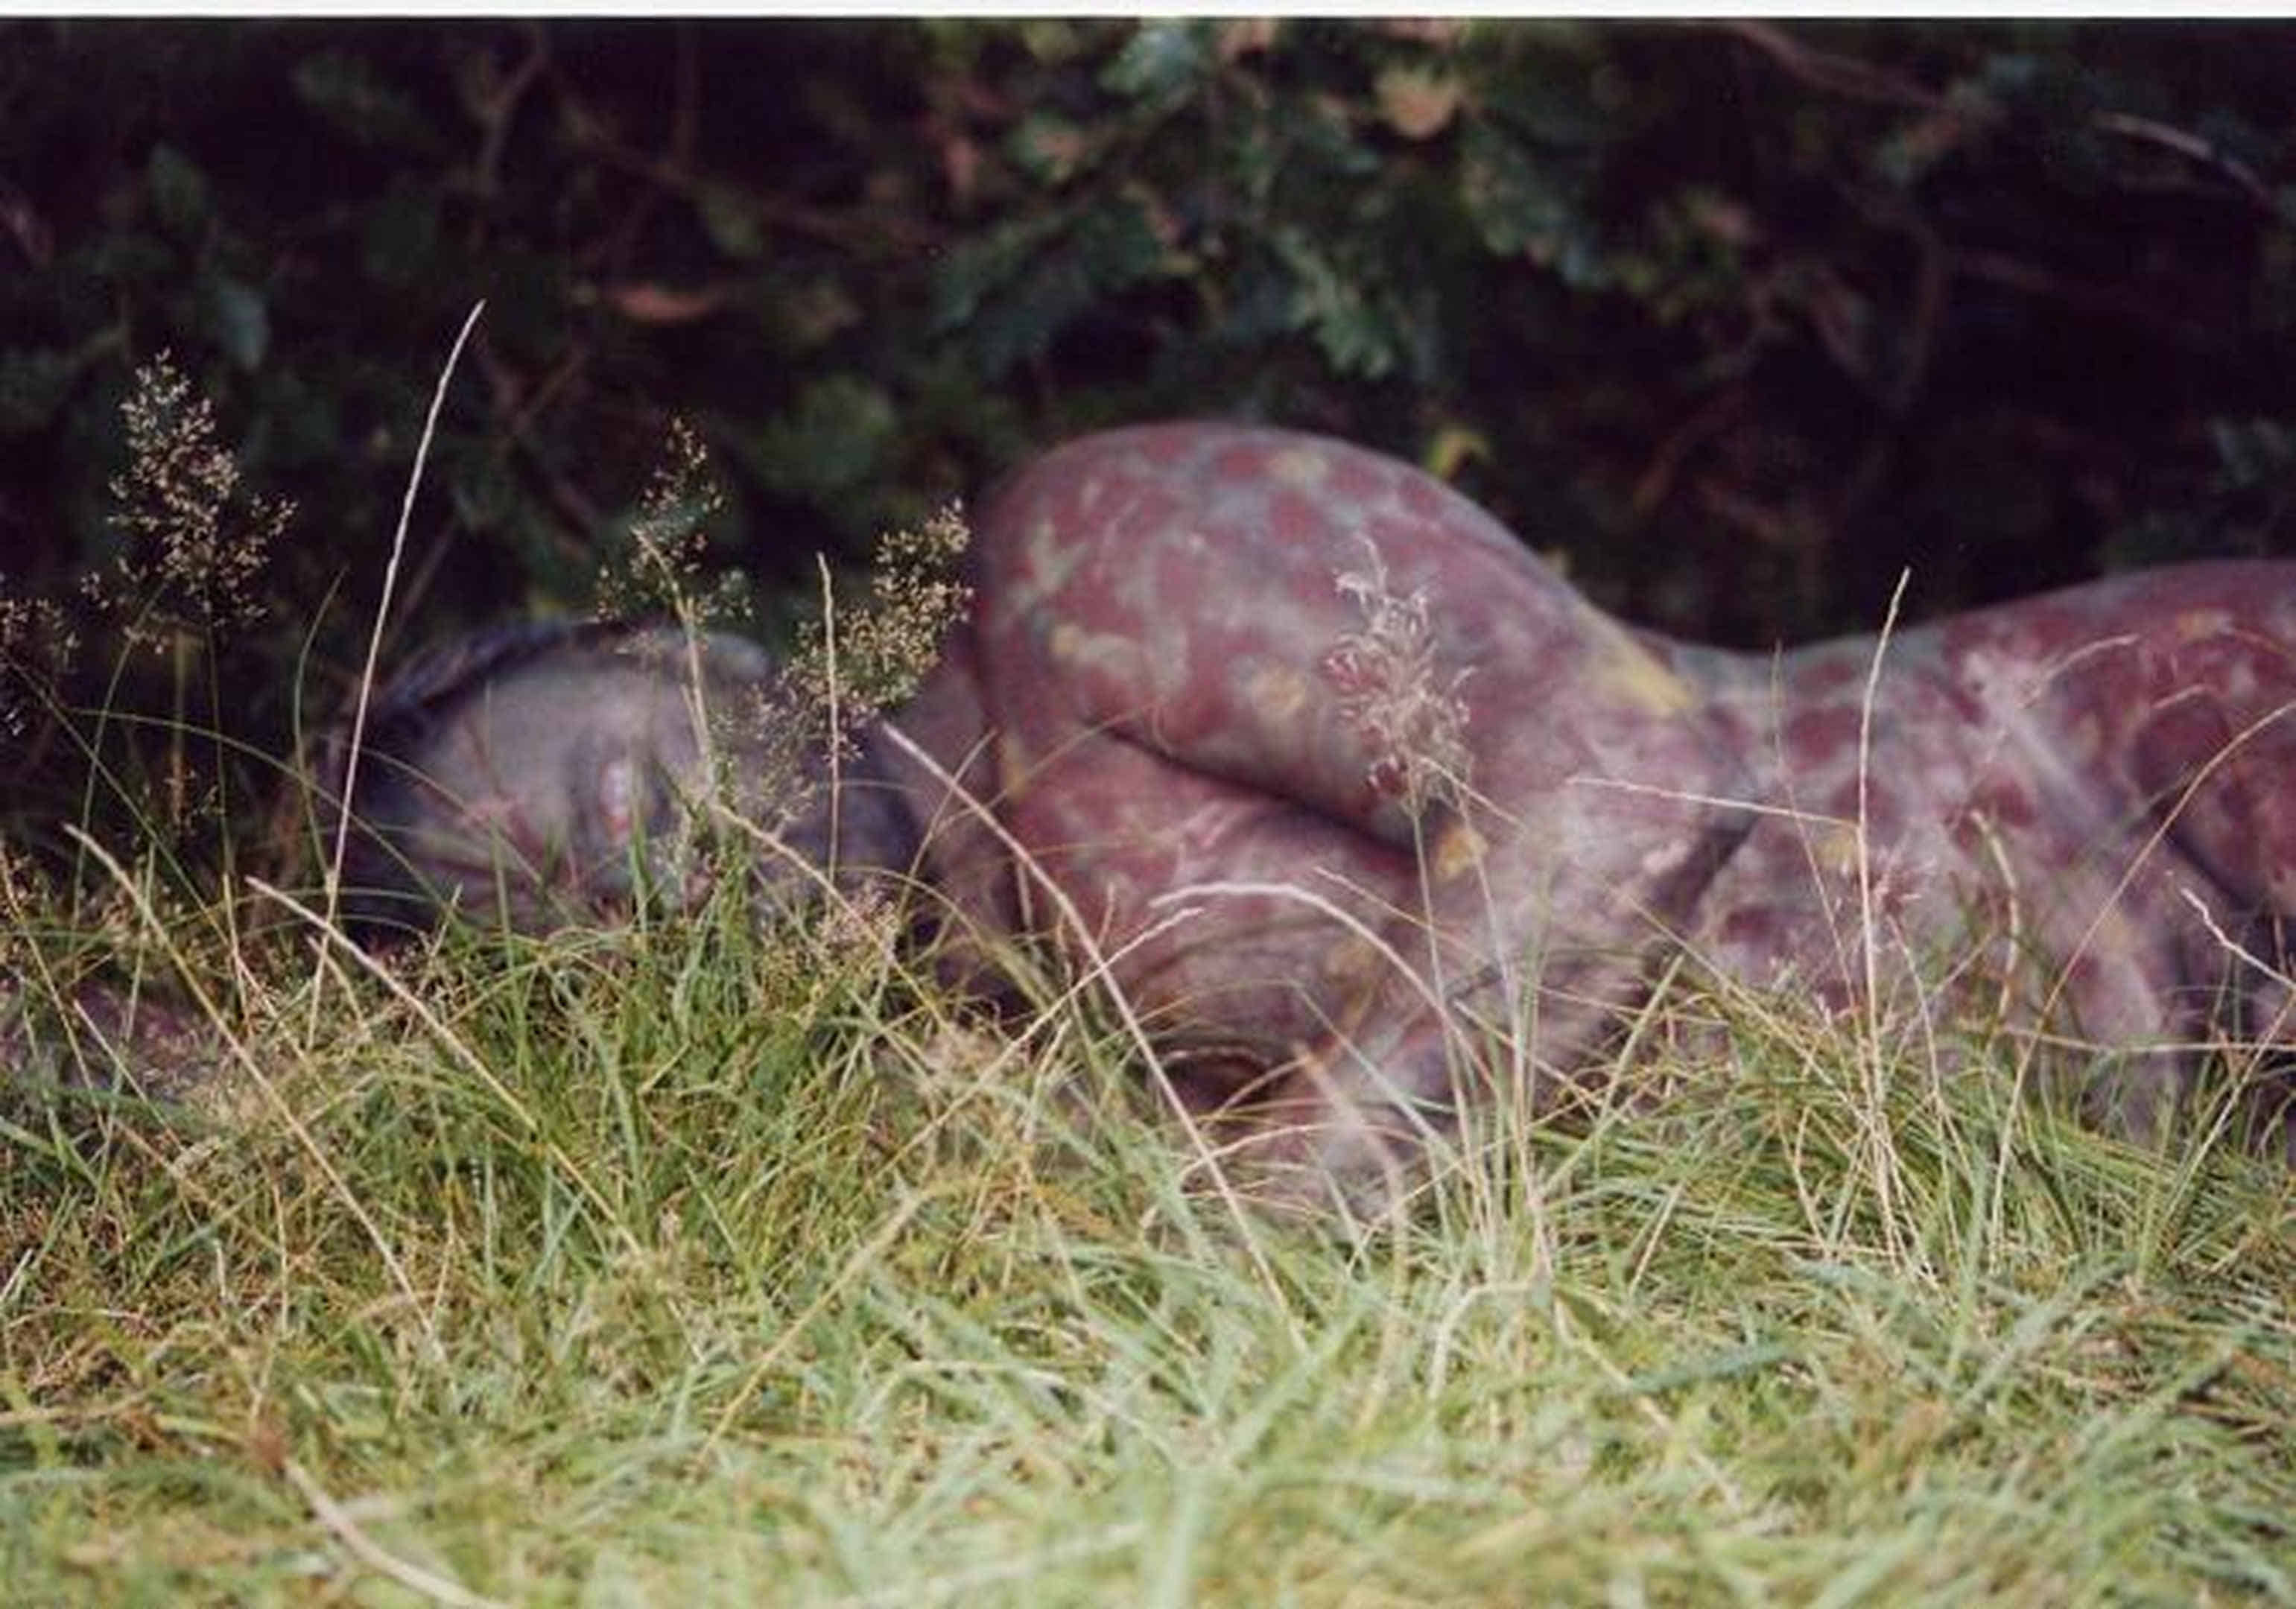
{"x": 1360, "y": 814}
{"x": 1360, "y": 809}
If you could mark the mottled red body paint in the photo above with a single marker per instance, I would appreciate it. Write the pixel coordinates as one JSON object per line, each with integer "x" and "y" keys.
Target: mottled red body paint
{"x": 2046, "y": 805}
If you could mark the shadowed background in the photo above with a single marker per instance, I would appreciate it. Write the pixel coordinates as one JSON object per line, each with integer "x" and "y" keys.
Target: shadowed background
{"x": 1739, "y": 322}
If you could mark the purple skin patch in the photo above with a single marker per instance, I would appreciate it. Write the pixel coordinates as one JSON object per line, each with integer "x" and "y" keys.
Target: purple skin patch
{"x": 1183, "y": 720}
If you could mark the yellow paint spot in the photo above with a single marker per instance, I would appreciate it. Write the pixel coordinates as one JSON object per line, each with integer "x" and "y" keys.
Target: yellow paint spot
{"x": 2084, "y": 736}
{"x": 1069, "y": 643}
{"x": 1459, "y": 849}
{"x": 1012, "y": 767}
{"x": 2113, "y": 935}
{"x": 1300, "y": 465}
{"x": 1047, "y": 563}
{"x": 1623, "y": 668}
{"x": 1630, "y": 673}
{"x": 2198, "y": 625}
{"x": 1346, "y": 1023}
{"x": 1279, "y": 692}
{"x": 1835, "y": 847}
{"x": 1352, "y": 963}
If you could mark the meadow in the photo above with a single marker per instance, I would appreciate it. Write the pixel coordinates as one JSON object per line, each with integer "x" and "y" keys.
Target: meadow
{"x": 726, "y": 1256}
{"x": 722, "y": 1259}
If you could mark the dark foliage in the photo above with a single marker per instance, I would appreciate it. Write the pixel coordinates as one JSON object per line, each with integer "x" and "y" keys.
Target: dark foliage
{"x": 1743, "y": 320}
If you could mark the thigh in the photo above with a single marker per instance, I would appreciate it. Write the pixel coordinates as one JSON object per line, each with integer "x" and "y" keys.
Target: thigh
{"x": 1229, "y": 917}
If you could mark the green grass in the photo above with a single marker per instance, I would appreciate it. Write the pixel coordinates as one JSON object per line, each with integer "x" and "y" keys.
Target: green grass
{"x": 692, "y": 1265}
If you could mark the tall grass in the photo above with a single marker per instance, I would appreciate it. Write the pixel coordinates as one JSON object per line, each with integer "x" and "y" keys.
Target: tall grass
{"x": 726, "y": 1257}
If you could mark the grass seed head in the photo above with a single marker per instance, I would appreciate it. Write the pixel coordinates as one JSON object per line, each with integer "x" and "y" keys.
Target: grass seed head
{"x": 1392, "y": 692}
{"x": 197, "y": 541}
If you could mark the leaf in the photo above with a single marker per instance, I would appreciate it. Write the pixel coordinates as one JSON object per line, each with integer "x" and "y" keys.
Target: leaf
{"x": 650, "y": 302}
{"x": 1417, "y": 103}
{"x": 732, "y": 222}
{"x": 487, "y": 498}
{"x": 835, "y": 439}
{"x": 1327, "y": 303}
{"x": 1050, "y": 40}
{"x": 1510, "y": 201}
{"x": 344, "y": 91}
{"x": 1454, "y": 446}
{"x": 1014, "y": 293}
{"x": 1243, "y": 37}
{"x": 33, "y": 385}
{"x": 1519, "y": 204}
{"x": 815, "y": 311}
{"x": 1049, "y": 148}
{"x": 1161, "y": 62}
{"x": 977, "y": 267}
{"x": 235, "y": 318}
{"x": 400, "y": 238}
{"x": 2252, "y": 452}
{"x": 298, "y": 420}
{"x": 178, "y": 191}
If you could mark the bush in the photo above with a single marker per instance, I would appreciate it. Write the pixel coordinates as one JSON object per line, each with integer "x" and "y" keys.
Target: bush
{"x": 1741, "y": 320}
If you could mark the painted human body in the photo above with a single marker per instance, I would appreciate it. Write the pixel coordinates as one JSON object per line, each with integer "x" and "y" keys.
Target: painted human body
{"x": 1150, "y": 746}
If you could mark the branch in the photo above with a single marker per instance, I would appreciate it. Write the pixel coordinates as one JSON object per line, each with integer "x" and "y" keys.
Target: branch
{"x": 1853, "y": 79}
{"x": 1838, "y": 74}
{"x": 2188, "y": 145}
